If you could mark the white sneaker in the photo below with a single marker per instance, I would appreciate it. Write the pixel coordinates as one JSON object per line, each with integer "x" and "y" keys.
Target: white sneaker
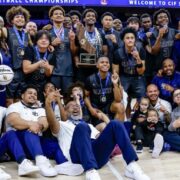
{"x": 70, "y": 169}
{"x": 158, "y": 146}
{"x": 133, "y": 171}
{"x": 45, "y": 167}
{"x": 26, "y": 168}
{"x": 4, "y": 175}
{"x": 92, "y": 175}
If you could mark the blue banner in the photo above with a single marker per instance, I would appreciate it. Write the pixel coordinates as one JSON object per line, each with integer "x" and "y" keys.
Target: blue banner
{"x": 118, "y": 3}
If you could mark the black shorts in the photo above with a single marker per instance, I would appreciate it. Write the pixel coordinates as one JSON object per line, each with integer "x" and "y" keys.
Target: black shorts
{"x": 13, "y": 90}
{"x": 105, "y": 110}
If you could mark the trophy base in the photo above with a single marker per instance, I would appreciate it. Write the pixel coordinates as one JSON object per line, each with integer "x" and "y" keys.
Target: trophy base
{"x": 86, "y": 65}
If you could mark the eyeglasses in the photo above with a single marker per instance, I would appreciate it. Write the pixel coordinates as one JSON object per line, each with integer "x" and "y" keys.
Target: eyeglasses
{"x": 176, "y": 94}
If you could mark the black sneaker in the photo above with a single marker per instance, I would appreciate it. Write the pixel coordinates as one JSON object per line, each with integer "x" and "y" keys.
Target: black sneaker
{"x": 139, "y": 148}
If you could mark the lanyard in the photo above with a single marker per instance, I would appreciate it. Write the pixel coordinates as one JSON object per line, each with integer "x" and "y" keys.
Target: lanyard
{"x": 38, "y": 54}
{"x": 20, "y": 40}
{"x": 107, "y": 32}
{"x": 107, "y": 80}
{"x": 90, "y": 36}
{"x": 75, "y": 122}
{"x": 59, "y": 32}
{"x": 53, "y": 104}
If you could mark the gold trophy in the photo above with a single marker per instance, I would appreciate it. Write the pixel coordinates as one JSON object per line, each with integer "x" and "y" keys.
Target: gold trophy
{"x": 88, "y": 58}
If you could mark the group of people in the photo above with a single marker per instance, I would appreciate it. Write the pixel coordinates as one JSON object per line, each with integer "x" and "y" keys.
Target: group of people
{"x": 80, "y": 93}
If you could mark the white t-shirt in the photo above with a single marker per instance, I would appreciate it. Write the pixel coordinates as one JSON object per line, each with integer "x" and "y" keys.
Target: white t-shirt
{"x": 57, "y": 112}
{"x": 125, "y": 99}
{"x": 2, "y": 115}
{"x": 26, "y": 113}
{"x": 65, "y": 135}
{"x": 166, "y": 104}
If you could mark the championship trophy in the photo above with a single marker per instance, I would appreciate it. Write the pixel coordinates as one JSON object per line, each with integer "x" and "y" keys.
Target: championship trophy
{"x": 88, "y": 58}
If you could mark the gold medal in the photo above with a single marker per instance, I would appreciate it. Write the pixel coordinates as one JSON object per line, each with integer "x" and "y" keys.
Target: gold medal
{"x": 83, "y": 41}
{"x": 20, "y": 52}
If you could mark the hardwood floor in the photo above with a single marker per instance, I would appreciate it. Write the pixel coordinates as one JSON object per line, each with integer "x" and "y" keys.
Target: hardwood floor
{"x": 167, "y": 167}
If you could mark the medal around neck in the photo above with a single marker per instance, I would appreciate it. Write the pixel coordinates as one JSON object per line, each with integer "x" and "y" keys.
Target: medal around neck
{"x": 20, "y": 52}
{"x": 103, "y": 99}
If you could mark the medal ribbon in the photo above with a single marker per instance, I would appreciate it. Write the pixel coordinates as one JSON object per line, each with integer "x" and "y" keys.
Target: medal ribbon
{"x": 53, "y": 104}
{"x": 107, "y": 32}
{"x": 107, "y": 80}
{"x": 75, "y": 122}
{"x": 59, "y": 32}
{"x": 38, "y": 54}
{"x": 20, "y": 40}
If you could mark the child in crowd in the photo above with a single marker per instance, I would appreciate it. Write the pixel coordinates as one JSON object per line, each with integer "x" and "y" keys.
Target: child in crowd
{"x": 139, "y": 117}
{"x": 148, "y": 129}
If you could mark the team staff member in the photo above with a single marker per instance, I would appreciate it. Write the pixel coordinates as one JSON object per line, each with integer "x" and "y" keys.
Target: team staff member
{"x": 75, "y": 139}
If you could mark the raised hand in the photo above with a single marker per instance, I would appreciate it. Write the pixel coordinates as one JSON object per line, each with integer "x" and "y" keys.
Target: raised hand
{"x": 115, "y": 78}
{"x": 136, "y": 56}
{"x": 57, "y": 41}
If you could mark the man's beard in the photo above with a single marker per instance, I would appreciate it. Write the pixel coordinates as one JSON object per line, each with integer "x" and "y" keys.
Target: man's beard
{"x": 30, "y": 104}
{"x": 75, "y": 117}
{"x": 19, "y": 27}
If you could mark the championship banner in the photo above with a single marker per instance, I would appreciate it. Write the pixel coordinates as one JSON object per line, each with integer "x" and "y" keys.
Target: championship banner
{"x": 118, "y": 3}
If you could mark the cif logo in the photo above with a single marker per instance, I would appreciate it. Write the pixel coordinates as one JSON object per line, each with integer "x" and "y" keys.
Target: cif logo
{"x": 104, "y": 2}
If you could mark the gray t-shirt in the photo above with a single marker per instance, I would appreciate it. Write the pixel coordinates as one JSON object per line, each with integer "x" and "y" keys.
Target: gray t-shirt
{"x": 174, "y": 116}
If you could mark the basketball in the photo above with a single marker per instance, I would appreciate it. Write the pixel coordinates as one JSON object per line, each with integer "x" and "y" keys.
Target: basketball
{"x": 6, "y": 75}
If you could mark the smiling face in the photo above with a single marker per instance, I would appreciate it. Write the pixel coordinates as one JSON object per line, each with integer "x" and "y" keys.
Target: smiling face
{"x": 103, "y": 64}
{"x": 152, "y": 92}
{"x": 162, "y": 19}
{"x": 168, "y": 67}
{"x": 57, "y": 16}
{"x": 176, "y": 96}
{"x": 31, "y": 28}
{"x": 73, "y": 110}
{"x": 43, "y": 41}
{"x": 19, "y": 20}
{"x": 153, "y": 115}
{"x": 90, "y": 18}
{"x": 29, "y": 97}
